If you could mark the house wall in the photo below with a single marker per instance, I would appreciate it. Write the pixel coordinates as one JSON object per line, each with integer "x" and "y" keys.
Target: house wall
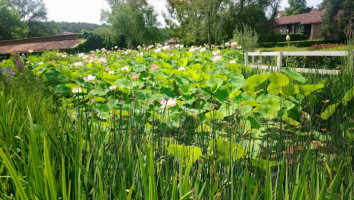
{"x": 315, "y": 31}
{"x": 281, "y": 29}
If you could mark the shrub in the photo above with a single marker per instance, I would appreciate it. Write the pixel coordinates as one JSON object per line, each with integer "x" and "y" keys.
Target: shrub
{"x": 276, "y": 37}
{"x": 247, "y": 38}
{"x": 324, "y": 46}
{"x": 306, "y": 43}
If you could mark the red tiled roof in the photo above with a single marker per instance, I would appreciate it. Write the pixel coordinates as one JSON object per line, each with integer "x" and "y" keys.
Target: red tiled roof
{"x": 39, "y": 44}
{"x": 315, "y": 16}
{"x": 281, "y": 13}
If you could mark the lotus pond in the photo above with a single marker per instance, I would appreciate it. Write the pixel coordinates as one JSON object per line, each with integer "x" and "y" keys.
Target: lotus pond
{"x": 172, "y": 124}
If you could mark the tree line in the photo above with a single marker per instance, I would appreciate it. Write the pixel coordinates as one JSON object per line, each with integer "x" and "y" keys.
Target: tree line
{"x": 28, "y": 18}
{"x": 129, "y": 23}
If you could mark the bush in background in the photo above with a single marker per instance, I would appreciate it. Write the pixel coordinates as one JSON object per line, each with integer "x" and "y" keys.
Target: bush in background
{"x": 246, "y": 37}
{"x": 306, "y": 43}
{"x": 324, "y": 46}
{"x": 277, "y": 37}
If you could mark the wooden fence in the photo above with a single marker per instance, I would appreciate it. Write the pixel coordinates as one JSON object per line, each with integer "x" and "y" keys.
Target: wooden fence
{"x": 280, "y": 56}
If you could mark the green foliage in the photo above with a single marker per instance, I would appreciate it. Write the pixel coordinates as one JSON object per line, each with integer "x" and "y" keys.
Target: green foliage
{"x": 39, "y": 29}
{"x": 11, "y": 26}
{"x": 33, "y": 14}
{"x": 277, "y": 37}
{"x": 336, "y": 25}
{"x": 94, "y": 40}
{"x": 246, "y": 37}
{"x": 134, "y": 22}
{"x": 75, "y": 27}
{"x": 297, "y": 7}
{"x": 294, "y": 75}
{"x": 214, "y": 21}
{"x": 185, "y": 154}
{"x": 227, "y": 150}
{"x": 329, "y": 111}
{"x": 199, "y": 21}
{"x": 211, "y": 130}
{"x": 306, "y": 43}
{"x": 30, "y": 10}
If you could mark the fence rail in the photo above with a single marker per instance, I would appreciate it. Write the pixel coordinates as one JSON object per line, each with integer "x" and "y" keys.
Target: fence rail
{"x": 280, "y": 55}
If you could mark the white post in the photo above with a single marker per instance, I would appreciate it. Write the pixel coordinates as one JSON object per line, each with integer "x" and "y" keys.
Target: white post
{"x": 252, "y": 60}
{"x": 279, "y": 60}
{"x": 246, "y": 58}
{"x": 260, "y": 60}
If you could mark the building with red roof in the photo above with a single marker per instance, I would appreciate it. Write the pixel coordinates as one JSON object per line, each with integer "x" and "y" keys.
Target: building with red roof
{"x": 308, "y": 22}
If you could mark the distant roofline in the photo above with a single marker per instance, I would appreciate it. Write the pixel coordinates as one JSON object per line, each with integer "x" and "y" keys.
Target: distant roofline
{"x": 313, "y": 17}
{"x": 39, "y": 39}
{"x": 39, "y": 44}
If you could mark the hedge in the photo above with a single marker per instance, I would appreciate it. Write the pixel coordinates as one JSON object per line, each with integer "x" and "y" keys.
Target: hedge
{"x": 305, "y": 43}
{"x": 276, "y": 37}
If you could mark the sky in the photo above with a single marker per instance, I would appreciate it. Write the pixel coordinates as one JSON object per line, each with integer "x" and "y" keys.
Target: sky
{"x": 90, "y": 10}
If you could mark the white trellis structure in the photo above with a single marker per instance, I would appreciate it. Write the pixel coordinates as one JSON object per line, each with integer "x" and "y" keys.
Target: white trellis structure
{"x": 281, "y": 54}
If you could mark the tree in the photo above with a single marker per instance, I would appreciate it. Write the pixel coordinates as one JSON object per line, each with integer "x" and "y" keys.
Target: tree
{"x": 213, "y": 21}
{"x": 11, "y": 26}
{"x": 38, "y": 29}
{"x": 132, "y": 22}
{"x": 337, "y": 18}
{"x": 30, "y": 10}
{"x": 34, "y": 14}
{"x": 200, "y": 21}
{"x": 297, "y": 7}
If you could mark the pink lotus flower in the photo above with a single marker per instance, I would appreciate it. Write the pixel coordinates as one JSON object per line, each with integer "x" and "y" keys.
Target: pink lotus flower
{"x": 107, "y": 68}
{"x": 154, "y": 66}
{"x": 169, "y": 103}
{"x": 135, "y": 76}
{"x": 217, "y": 58}
{"x": 78, "y": 64}
{"x": 139, "y": 47}
{"x": 92, "y": 55}
{"x": 101, "y": 60}
{"x": 51, "y": 62}
{"x": 108, "y": 52}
